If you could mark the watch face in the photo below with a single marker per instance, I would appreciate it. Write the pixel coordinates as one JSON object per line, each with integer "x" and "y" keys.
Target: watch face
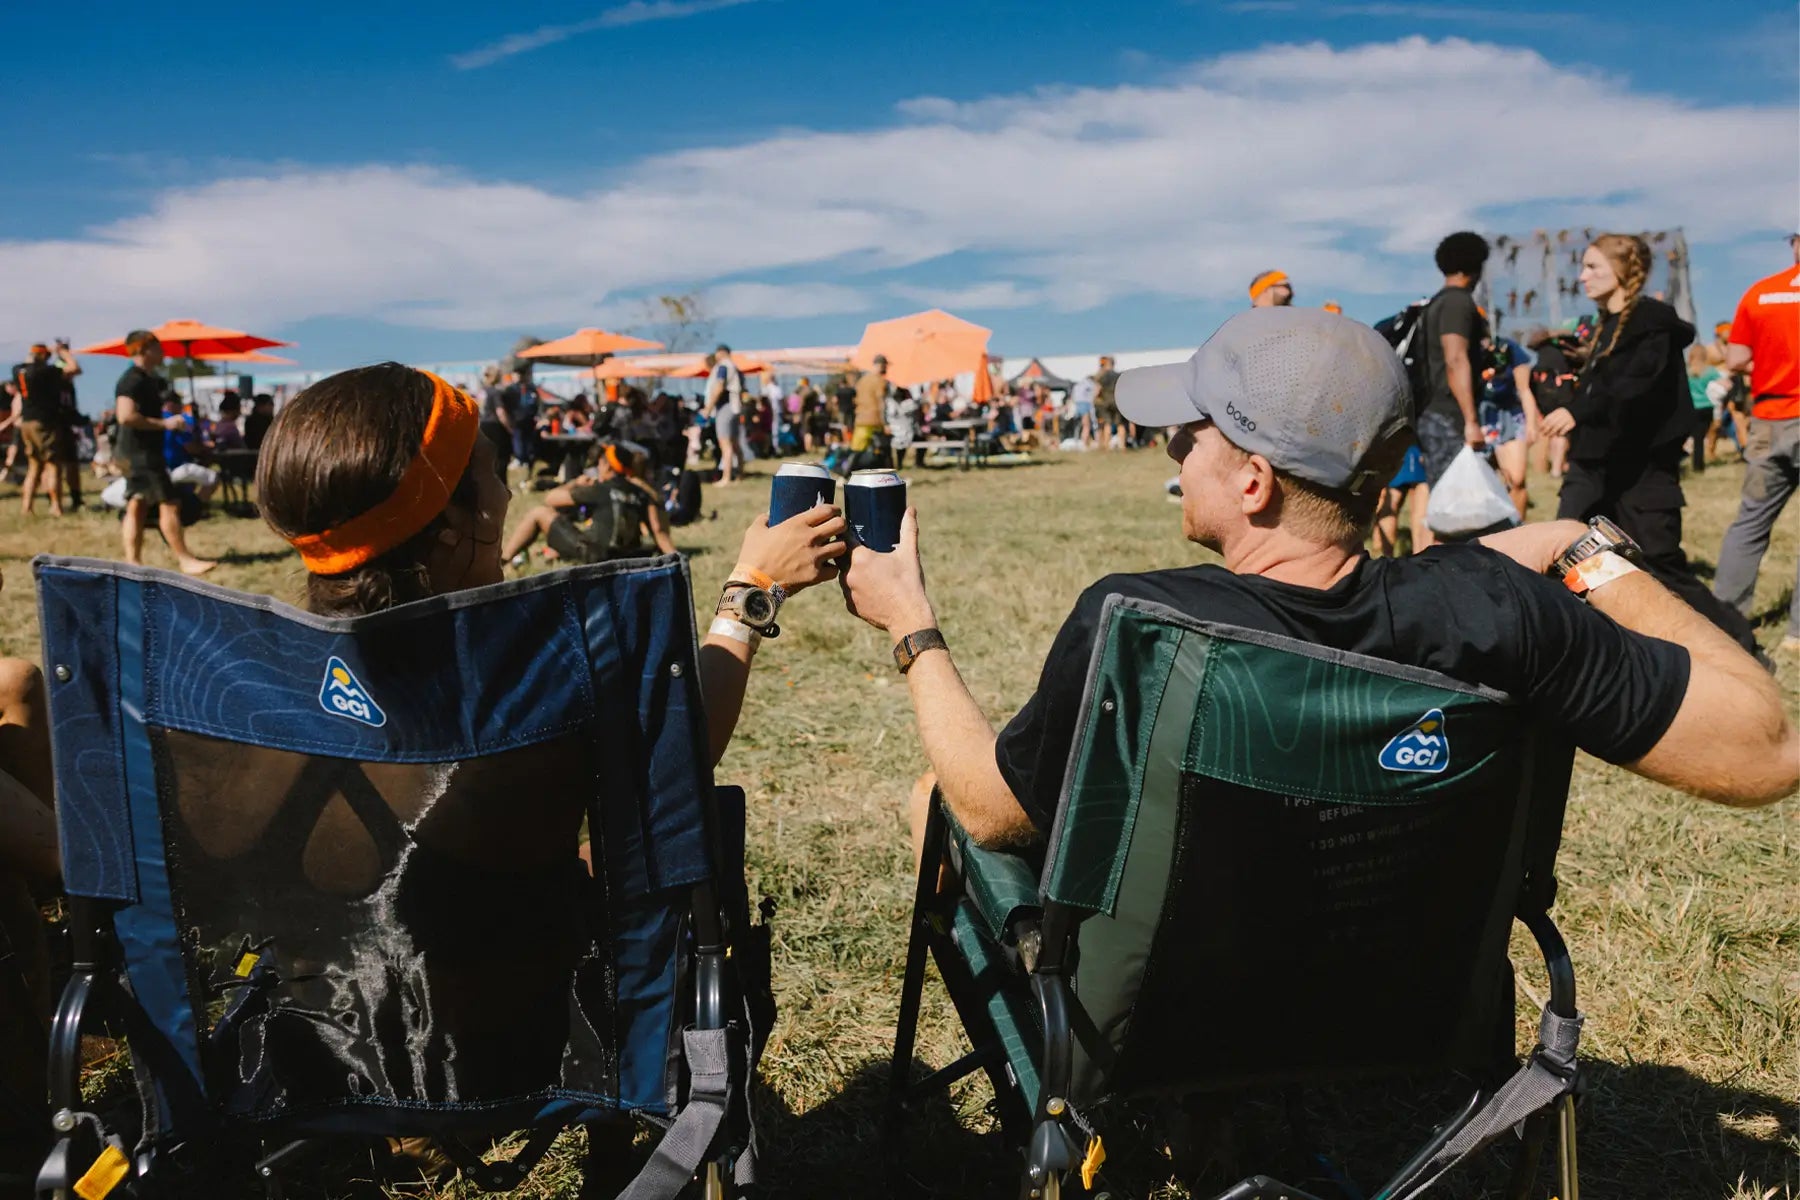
{"x": 759, "y": 607}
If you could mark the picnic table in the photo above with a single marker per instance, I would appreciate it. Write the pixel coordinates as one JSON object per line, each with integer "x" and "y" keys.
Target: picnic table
{"x": 958, "y": 436}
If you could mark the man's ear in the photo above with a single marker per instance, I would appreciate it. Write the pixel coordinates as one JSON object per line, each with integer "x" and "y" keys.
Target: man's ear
{"x": 1256, "y": 486}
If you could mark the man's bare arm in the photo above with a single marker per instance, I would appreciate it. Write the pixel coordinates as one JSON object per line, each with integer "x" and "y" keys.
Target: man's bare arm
{"x": 1731, "y": 740}
{"x": 126, "y": 409}
{"x": 1458, "y": 372}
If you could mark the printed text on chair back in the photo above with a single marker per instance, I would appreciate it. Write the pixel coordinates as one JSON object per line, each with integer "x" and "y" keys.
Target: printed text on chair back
{"x": 344, "y": 851}
{"x": 1301, "y": 863}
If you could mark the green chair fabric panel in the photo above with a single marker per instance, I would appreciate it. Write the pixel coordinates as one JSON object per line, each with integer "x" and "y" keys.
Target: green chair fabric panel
{"x": 1133, "y": 656}
{"x": 1004, "y": 996}
{"x": 1341, "y": 728}
{"x": 1003, "y": 887}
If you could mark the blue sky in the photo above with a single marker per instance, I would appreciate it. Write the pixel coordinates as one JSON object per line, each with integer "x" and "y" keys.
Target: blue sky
{"x": 386, "y": 181}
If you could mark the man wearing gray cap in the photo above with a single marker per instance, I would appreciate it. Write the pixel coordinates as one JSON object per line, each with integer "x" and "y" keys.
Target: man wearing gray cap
{"x": 1286, "y": 425}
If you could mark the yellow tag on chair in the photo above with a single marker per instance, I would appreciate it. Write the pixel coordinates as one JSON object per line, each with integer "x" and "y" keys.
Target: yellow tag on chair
{"x": 247, "y": 964}
{"x": 1090, "y": 1162}
{"x": 105, "y": 1175}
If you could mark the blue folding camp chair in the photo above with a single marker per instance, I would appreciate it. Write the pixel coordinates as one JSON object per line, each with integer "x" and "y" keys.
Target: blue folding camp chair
{"x": 1273, "y": 864}
{"x": 325, "y": 878}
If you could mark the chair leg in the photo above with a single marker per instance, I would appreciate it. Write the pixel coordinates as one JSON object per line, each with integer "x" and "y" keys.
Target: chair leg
{"x": 912, "y": 987}
{"x": 1568, "y": 1179}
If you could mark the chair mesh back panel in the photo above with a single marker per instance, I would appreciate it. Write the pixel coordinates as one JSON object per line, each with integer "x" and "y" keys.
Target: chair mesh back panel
{"x": 1343, "y": 934}
{"x": 1296, "y": 863}
{"x": 386, "y": 810}
{"x": 424, "y": 932}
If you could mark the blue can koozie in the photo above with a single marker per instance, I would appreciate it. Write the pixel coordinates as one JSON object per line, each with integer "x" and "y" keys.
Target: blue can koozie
{"x": 798, "y": 487}
{"x": 875, "y": 504}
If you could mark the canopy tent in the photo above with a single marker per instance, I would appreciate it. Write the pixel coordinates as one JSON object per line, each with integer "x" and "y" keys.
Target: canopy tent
{"x": 700, "y": 370}
{"x": 1036, "y": 372}
{"x": 923, "y": 347}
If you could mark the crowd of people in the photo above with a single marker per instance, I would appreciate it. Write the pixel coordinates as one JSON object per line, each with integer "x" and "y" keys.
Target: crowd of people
{"x": 1287, "y": 475}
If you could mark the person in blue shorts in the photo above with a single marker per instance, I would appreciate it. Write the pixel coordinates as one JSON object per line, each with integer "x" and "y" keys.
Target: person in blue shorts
{"x": 1408, "y": 484}
{"x": 1508, "y": 412}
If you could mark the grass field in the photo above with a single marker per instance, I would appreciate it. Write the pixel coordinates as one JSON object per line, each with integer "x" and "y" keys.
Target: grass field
{"x": 1684, "y": 918}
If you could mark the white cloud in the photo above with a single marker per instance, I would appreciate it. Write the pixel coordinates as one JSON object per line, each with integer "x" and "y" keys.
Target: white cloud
{"x": 995, "y": 293}
{"x": 636, "y": 12}
{"x": 1341, "y": 166}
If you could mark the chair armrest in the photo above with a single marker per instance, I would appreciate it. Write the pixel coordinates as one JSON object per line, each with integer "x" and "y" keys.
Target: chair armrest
{"x": 1002, "y": 886}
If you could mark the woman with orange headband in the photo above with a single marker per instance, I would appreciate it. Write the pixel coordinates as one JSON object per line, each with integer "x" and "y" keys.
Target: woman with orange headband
{"x": 380, "y": 478}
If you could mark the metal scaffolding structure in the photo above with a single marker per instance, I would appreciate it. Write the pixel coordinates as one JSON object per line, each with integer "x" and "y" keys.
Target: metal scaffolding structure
{"x": 1534, "y": 279}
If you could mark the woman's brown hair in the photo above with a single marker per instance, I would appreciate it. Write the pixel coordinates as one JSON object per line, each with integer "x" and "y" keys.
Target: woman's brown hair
{"x": 337, "y": 450}
{"x": 1630, "y": 259}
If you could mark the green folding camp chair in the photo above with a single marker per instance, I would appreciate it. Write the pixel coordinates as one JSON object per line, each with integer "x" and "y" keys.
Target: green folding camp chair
{"x": 1273, "y": 864}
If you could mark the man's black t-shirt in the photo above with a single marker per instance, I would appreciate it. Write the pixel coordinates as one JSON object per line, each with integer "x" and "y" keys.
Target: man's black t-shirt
{"x": 1452, "y": 310}
{"x": 141, "y": 449}
{"x": 41, "y": 388}
{"x": 1464, "y": 611}
{"x": 256, "y": 428}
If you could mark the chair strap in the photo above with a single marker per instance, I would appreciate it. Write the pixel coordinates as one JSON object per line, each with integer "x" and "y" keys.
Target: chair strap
{"x": 1547, "y": 1076}
{"x": 685, "y": 1145}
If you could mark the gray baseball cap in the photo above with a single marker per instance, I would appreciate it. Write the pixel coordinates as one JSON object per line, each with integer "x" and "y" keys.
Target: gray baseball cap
{"x": 1311, "y": 391}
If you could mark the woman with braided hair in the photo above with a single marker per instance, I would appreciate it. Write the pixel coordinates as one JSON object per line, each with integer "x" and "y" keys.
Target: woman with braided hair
{"x": 1628, "y": 417}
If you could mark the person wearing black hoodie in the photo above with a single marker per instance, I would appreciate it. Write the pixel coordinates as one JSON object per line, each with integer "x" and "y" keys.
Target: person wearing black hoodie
{"x": 1627, "y": 418}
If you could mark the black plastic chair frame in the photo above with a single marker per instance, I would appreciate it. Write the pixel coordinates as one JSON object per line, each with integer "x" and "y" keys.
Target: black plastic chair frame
{"x": 1052, "y": 1145}
{"x": 92, "y": 994}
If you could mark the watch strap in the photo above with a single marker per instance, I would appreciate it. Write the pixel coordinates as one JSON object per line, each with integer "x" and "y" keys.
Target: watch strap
{"x": 908, "y": 648}
{"x": 1597, "y": 570}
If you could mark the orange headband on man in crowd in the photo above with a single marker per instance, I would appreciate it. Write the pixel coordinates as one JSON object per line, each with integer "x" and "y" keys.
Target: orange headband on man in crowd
{"x": 424, "y": 490}
{"x": 1265, "y": 281}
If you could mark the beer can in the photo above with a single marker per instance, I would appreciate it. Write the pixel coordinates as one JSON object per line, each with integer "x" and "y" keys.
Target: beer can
{"x": 798, "y": 487}
{"x": 874, "y": 504}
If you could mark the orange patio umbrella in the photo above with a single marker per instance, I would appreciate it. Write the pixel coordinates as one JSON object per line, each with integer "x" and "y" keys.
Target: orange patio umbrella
{"x": 251, "y": 356}
{"x": 982, "y": 391}
{"x": 924, "y": 347}
{"x": 193, "y": 339}
{"x": 587, "y": 348}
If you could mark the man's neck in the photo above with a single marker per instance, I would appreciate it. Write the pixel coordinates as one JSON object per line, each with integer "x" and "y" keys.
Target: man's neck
{"x": 1288, "y": 559}
{"x": 1459, "y": 281}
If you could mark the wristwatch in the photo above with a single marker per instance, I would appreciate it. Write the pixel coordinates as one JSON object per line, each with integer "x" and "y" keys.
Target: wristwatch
{"x": 1582, "y": 568}
{"x": 751, "y": 606}
{"x": 908, "y": 648}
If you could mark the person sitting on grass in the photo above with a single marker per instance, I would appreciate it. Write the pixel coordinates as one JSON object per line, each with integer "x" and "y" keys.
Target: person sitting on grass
{"x": 1281, "y": 472}
{"x": 598, "y": 521}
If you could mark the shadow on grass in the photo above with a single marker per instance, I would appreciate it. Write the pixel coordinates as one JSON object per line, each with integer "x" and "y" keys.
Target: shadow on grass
{"x": 1643, "y": 1130}
{"x": 849, "y": 1146}
{"x": 1775, "y": 613}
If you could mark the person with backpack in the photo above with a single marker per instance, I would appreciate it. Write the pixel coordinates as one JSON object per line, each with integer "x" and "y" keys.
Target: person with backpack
{"x": 599, "y": 520}
{"x": 724, "y": 405}
{"x": 1627, "y": 421}
{"x": 1446, "y": 382}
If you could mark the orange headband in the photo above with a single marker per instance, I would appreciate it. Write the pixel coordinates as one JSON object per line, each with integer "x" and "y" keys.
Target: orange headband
{"x": 612, "y": 457}
{"x": 1265, "y": 281}
{"x": 422, "y": 494}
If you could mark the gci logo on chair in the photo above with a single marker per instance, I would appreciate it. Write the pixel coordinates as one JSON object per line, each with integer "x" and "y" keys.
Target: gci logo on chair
{"x": 1421, "y": 746}
{"x": 341, "y": 695}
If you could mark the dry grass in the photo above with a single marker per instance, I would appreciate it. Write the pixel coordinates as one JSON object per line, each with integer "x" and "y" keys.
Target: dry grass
{"x": 1684, "y": 918}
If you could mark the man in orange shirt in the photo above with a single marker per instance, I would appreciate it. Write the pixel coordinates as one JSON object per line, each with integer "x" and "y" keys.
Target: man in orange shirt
{"x": 1765, "y": 345}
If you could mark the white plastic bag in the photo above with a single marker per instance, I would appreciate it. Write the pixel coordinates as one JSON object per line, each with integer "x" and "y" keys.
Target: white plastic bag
{"x": 1470, "y": 497}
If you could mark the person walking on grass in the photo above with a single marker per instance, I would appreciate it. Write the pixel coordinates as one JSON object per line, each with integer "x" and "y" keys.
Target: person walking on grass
{"x": 1281, "y": 471}
{"x": 1628, "y": 419}
{"x": 725, "y": 406}
{"x": 43, "y": 426}
{"x": 138, "y": 406}
{"x": 1452, "y": 326}
{"x": 1765, "y": 345}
